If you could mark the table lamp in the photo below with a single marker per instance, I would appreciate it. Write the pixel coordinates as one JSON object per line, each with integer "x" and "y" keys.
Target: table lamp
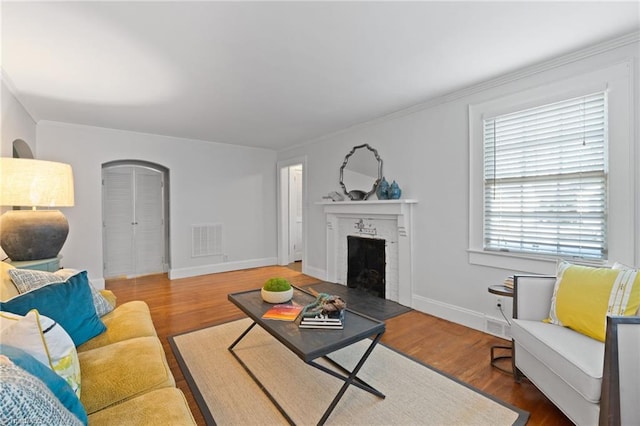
{"x": 34, "y": 234}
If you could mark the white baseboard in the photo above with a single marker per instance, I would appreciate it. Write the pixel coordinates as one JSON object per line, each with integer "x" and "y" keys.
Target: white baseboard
{"x": 221, "y": 267}
{"x": 466, "y": 317}
{"x": 318, "y": 273}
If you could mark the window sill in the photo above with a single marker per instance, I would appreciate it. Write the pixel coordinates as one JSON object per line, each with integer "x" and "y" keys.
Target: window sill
{"x": 520, "y": 262}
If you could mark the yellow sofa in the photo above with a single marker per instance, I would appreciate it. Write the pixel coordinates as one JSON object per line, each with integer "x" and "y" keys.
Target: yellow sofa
{"x": 124, "y": 372}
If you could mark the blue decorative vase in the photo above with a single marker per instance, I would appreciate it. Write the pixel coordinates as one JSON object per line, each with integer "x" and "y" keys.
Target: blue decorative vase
{"x": 382, "y": 191}
{"x": 394, "y": 191}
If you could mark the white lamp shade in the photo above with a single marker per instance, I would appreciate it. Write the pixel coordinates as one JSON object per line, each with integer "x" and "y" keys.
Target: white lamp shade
{"x": 35, "y": 183}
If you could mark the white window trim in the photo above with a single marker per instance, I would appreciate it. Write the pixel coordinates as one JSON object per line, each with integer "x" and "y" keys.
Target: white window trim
{"x": 616, "y": 80}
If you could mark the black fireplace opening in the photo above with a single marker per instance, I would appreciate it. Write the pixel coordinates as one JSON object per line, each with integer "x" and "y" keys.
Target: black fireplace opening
{"x": 366, "y": 265}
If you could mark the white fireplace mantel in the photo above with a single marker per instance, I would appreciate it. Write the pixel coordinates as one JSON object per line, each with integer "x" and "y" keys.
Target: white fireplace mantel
{"x": 388, "y": 219}
{"x": 382, "y": 206}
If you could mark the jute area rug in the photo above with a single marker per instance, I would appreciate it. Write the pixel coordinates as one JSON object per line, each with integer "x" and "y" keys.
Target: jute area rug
{"x": 415, "y": 393}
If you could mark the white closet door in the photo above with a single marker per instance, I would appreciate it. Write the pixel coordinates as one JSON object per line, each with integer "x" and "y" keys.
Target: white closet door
{"x": 134, "y": 225}
{"x": 118, "y": 216}
{"x": 149, "y": 220}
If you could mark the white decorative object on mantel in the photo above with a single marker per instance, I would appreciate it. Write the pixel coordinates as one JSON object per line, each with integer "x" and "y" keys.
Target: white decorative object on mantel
{"x": 392, "y": 221}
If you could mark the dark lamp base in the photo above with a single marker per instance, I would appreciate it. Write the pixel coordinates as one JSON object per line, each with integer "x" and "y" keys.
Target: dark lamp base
{"x": 33, "y": 234}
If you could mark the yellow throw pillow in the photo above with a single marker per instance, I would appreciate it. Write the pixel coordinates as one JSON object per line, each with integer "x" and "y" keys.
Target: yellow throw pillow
{"x": 583, "y": 297}
{"x": 618, "y": 265}
{"x": 46, "y": 341}
{"x": 7, "y": 288}
{"x": 109, "y": 297}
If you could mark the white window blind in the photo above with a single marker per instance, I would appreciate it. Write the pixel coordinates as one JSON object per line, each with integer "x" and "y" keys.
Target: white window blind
{"x": 545, "y": 179}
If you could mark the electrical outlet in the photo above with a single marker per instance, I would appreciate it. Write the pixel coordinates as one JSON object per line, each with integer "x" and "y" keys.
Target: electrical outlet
{"x": 499, "y": 302}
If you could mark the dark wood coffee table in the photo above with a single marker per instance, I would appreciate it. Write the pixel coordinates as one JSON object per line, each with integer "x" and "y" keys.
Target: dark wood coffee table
{"x": 311, "y": 344}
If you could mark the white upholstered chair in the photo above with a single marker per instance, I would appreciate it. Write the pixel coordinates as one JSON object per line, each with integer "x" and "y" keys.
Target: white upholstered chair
{"x": 589, "y": 381}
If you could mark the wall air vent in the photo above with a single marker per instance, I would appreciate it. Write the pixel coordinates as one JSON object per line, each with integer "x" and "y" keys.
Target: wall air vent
{"x": 206, "y": 240}
{"x": 497, "y": 327}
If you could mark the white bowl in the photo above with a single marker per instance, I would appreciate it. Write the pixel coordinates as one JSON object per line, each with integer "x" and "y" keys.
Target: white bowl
{"x": 276, "y": 296}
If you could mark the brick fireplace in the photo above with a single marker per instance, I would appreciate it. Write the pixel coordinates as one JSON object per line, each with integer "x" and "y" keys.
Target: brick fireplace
{"x": 386, "y": 220}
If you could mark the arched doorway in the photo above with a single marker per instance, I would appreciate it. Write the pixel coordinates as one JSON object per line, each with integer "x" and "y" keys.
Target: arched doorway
{"x": 21, "y": 149}
{"x": 135, "y": 201}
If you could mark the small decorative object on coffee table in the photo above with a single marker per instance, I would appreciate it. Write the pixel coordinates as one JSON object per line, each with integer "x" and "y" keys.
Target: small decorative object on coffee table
{"x": 326, "y": 311}
{"x": 276, "y": 290}
{"x": 325, "y": 305}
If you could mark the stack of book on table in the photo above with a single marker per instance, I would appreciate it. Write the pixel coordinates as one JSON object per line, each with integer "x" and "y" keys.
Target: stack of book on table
{"x": 326, "y": 312}
{"x": 320, "y": 322}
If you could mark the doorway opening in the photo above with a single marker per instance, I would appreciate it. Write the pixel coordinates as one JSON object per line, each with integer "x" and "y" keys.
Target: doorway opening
{"x": 135, "y": 214}
{"x": 291, "y": 212}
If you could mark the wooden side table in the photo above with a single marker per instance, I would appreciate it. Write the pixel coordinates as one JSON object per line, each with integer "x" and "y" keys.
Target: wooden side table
{"x": 501, "y": 290}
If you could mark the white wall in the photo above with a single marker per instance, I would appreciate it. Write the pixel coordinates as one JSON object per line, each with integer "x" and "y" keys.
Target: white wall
{"x": 209, "y": 183}
{"x": 426, "y": 150}
{"x": 16, "y": 123}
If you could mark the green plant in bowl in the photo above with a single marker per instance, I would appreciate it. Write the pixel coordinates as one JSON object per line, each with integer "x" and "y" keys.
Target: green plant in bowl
{"x": 276, "y": 290}
{"x": 277, "y": 284}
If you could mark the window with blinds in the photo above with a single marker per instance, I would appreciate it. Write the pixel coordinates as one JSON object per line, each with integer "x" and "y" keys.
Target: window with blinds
{"x": 545, "y": 179}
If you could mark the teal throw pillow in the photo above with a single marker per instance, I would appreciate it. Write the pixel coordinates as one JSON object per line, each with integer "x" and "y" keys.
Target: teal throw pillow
{"x": 70, "y": 304}
{"x": 26, "y": 280}
{"x": 27, "y": 400}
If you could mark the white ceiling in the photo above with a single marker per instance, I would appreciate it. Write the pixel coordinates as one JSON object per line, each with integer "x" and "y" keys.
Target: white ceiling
{"x": 275, "y": 74}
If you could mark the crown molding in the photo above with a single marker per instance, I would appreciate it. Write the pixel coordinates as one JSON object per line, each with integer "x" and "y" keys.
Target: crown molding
{"x": 8, "y": 82}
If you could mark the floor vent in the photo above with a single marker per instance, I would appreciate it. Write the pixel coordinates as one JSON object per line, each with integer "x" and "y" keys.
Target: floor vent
{"x": 206, "y": 240}
{"x": 497, "y": 328}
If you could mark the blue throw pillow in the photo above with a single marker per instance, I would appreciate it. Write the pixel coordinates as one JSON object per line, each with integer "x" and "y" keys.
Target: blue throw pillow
{"x": 55, "y": 383}
{"x": 70, "y": 304}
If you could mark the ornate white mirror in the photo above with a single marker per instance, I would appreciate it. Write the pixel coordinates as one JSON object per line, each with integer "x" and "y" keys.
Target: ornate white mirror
{"x": 361, "y": 172}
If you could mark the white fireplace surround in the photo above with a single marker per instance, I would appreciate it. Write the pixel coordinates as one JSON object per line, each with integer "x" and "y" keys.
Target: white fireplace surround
{"x": 390, "y": 220}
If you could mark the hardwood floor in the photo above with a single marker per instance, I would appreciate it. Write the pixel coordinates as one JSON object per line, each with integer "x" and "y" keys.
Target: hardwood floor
{"x": 191, "y": 303}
